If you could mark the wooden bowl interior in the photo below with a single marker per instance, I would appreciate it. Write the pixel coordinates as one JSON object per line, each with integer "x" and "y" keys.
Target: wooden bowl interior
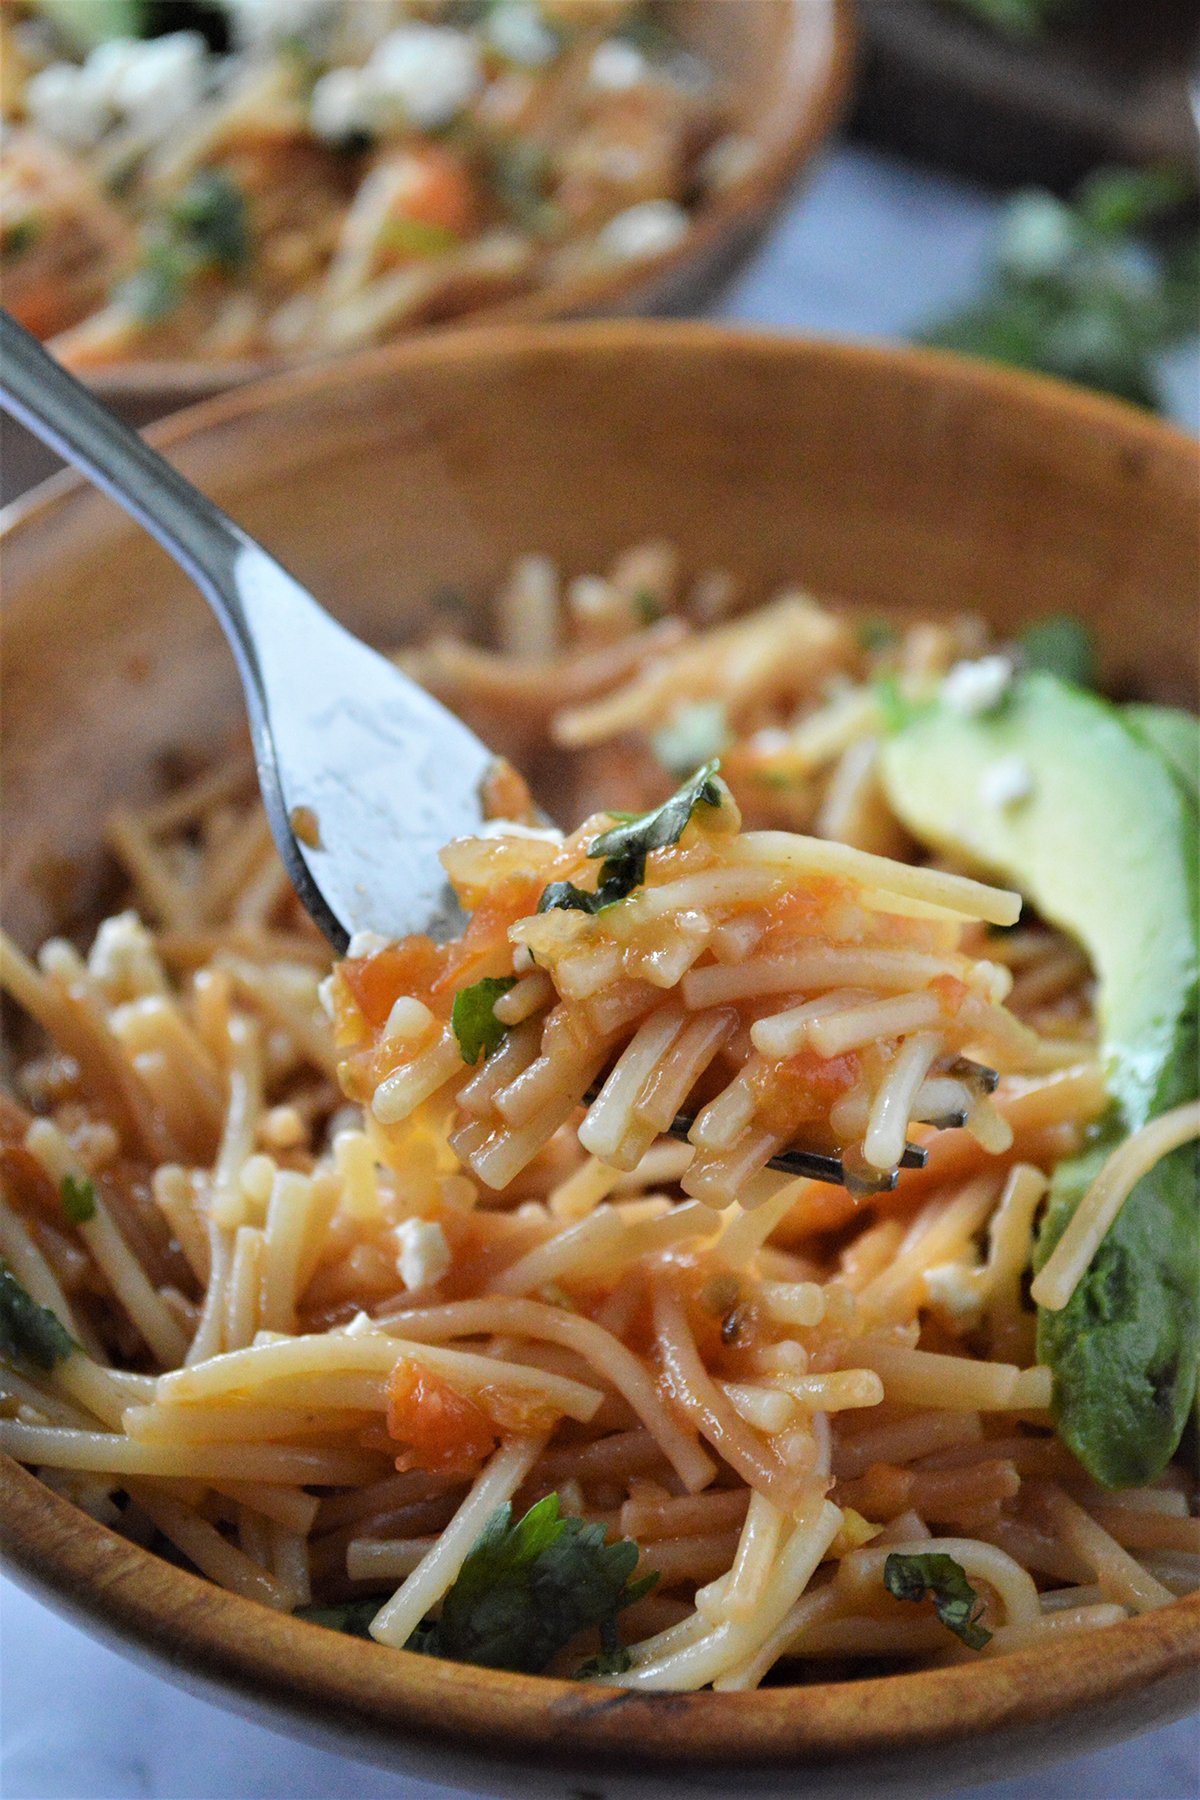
{"x": 787, "y": 65}
{"x": 896, "y": 479}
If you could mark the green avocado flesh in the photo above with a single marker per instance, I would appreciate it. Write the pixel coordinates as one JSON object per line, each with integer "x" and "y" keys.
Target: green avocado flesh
{"x": 1176, "y": 737}
{"x": 1105, "y": 846}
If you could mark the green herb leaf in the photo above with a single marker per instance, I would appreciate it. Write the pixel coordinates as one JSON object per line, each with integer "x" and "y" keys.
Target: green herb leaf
{"x": 473, "y": 1017}
{"x": 1061, "y": 645}
{"x": 1017, "y": 18}
{"x": 210, "y": 217}
{"x": 937, "y": 1575}
{"x": 526, "y": 1589}
{"x": 29, "y": 1332}
{"x": 875, "y": 635}
{"x": 19, "y": 237}
{"x": 155, "y": 289}
{"x": 665, "y": 825}
{"x": 626, "y": 847}
{"x": 1075, "y": 293}
{"x": 353, "y": 1616}
{"x": 1116, "y": 202}
{"x": 78, "y": 1199}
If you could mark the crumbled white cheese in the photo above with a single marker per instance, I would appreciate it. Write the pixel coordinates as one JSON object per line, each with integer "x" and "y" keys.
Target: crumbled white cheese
{"x": 1006, "y": 782}
{"x": 269, "y": 21}
{"x": 145, "y": 86}
{"x": 325, "y": 996}
{"x": 340, "y": 105}
{"x": 977, "y": 687}
{"x": 505, "y": 828}
{"x": 616, "y": 65}
{"x": 419, "y": 75}
{"x": 955, "y": 1288}
{"x": 423, "y": 1253}
{"x": 407, "y": 1020}
{"x": 59, "y": 104}
{"x": 429, "y": 72}
{"x": 123, "y": 961}
{"x": 646, "y": 229}
{"x": 361, "y": 1325}
{"x": 367, "y": 943}
{"x": 518, "y": 31}
{"x": 770, "y": 740}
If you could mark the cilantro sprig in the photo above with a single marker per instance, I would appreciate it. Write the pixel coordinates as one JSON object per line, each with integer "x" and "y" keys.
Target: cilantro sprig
{"x": 1078, "y": 291}
{"x": 351, "y": 1616}
{"x": 937, "y": 1575}
{"x": 206, "y": 229}
{"x": 473, "y": 1017}
{"x": 625, "y": 848}
{"x": 78, "y": 1197}
{"x": 28, "y": 1332}
{"x": 527, "y": 1588}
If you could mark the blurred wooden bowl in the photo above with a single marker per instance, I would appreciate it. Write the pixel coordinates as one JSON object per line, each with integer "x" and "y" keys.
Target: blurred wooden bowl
{"x": 894, "y": 477}
{"x": 787, "y": 65}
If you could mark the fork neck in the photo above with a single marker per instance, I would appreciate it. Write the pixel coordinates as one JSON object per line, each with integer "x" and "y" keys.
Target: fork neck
{"x": 66, "y": 416}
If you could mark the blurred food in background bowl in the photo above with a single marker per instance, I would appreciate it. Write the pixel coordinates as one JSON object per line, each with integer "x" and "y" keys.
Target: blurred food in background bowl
{"x": 296, "y": 179}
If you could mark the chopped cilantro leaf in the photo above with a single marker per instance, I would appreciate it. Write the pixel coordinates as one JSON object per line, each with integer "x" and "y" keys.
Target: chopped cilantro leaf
{"x": 155, "y": 289}
{"x": 877, "y": 634}
{"x": 352, "y": 1616}
{"x": 20, "y": 236}
{"x": 473, "y": 1017}
{"x": 29, "y": 1332}
{"x": 78, "y": 1199}
{"x": 626, "y": 847}
{"x": 527, "y": 1588}
{"x": 894, "y": 704}
{"x": 937, "y": 1575}
{"x": 647, "y": 606}
{"x": 666, "y": 824}
{"x": 1061, "y": 645}
{"x": 1076, "y": 292}
{"x": 210, "y": 217}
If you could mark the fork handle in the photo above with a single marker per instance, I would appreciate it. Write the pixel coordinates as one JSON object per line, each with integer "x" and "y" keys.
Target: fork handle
{"x": 64, "y": 414}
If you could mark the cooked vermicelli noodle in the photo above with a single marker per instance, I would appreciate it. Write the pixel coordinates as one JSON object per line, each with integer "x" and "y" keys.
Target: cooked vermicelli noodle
{"x": 351, "y": 1258}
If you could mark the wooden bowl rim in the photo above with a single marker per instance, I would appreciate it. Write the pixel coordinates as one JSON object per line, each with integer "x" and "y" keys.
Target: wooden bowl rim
{"x": 627, "y": 340}
{"x": 374, "y": 1694}
{"x": 815, "y": 115}
{"x": 379, "y": 1699}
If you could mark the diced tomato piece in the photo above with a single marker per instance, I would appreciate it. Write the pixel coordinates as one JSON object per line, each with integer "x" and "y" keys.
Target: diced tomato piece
{"x": 442, "y": 1430}
{"x": 950, "y": 991}
{"x": 803, "y": 1086}
{"x": 376, "y": 982}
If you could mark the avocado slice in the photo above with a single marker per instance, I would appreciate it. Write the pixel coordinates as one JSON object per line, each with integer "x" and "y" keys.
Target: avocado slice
{"x": 1105, "y": 845}
{"x": 85, "y": 23}
{"x": 1176, "y": 737}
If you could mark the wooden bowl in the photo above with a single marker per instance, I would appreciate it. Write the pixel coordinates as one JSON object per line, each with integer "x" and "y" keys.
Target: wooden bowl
{"x": 899, "y": 478}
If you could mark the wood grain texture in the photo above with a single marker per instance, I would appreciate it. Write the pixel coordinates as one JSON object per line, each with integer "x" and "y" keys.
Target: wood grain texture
{"x": 898, "y": 478}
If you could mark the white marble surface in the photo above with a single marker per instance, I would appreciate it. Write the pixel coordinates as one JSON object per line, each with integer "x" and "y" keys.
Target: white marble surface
{"x": 870, "y": 250}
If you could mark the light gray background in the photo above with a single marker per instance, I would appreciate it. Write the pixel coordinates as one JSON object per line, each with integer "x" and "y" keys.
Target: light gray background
{"x": 870, "y": 249}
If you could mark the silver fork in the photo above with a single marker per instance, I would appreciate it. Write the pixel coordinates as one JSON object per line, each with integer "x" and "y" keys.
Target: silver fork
{"x": 364, "y": 776}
